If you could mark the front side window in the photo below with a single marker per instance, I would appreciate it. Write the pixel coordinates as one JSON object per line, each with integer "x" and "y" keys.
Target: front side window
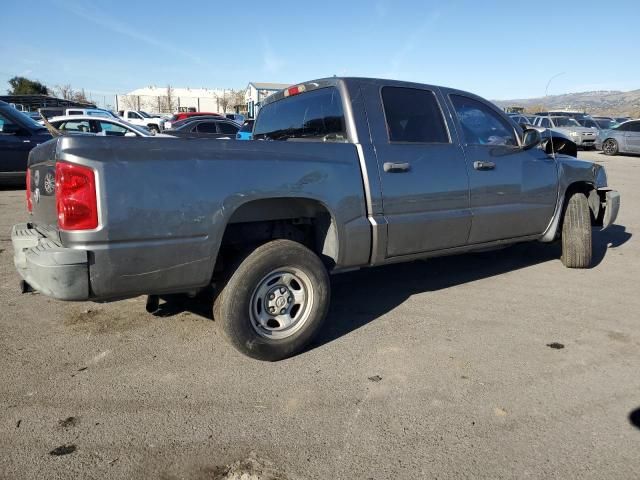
{"x": 206, "y": 127}
{"x": 75, "y": 126}
{"x": 133, "y": 115}
{"x": 227, "y": 128}
{"x": 315, "y": 115}
{"x": 76, "y": 112}
{"x": 481, "y": 125}
{"x": 633, "y": 127}
{"x": 6, "y": 125}
{"x": 112, "y": 129}
{"x": 413, "y": 115}
{"x": 545, "y": 122}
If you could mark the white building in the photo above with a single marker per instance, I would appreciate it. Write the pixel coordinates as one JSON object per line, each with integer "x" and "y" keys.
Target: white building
{"x": 160, "y": 99}
{"x": 257, "y": 91}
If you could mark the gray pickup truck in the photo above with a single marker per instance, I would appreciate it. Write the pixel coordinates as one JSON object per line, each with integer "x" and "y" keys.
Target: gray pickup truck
{"x": 343, "y": 173}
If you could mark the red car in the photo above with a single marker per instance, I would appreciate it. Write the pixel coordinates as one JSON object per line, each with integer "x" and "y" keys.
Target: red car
{"x": 182, "y": 115}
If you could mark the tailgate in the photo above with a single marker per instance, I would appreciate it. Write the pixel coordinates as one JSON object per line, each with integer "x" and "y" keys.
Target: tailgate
{"x": 42, "y": 187}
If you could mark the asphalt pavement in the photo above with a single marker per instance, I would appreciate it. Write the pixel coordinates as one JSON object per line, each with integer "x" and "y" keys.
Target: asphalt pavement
{"x": 493, "y": 365}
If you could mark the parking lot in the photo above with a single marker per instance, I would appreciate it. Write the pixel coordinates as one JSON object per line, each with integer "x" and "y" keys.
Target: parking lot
{"x": 502, "y": 364}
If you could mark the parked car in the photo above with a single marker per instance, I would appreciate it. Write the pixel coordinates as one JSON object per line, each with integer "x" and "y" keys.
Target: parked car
{"x": 564, "y": 113}
{"x": 623, "y": 138}
{"x": 582, "y": 136}
{"x": 184, "y": 121}
{"x": 349, "y": 173}
{"x": 598, "y": 123}
{"x": 182, "y": 115}
{"x": 245, "y": 132}
{"x": 143, "y": 119}
{"x": 50, "y": 112}
{"x": 18, "y": 135}
{"x": 209, "y": 128}
{"x": 100, "y": 126}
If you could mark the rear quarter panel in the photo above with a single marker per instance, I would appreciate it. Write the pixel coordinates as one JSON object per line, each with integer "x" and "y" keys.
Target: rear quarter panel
{"x": 164, "y": 203}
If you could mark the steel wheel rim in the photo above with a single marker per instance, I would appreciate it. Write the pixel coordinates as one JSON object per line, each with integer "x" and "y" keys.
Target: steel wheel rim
{"x": 281, "y": 303}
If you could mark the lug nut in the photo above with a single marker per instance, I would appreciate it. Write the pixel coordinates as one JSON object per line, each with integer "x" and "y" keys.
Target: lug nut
{"x": 271, "y": 296}
{"x": 282, "y": 311}
{"x": 282, "y": 290}
{"x": 272, "y": 310}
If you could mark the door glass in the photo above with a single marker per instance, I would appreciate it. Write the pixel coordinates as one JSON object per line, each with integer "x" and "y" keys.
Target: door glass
{"x": 75, "y": 126}
{"x": 633, "y": 127}
{"x": 112, "y": 129}
{"x": 481, "y": 125}
{"x": 227, "y": 128}
{"x": 413, "y": 115}
{"x": 6, "y": 125}
{"x": 206, "y": 127}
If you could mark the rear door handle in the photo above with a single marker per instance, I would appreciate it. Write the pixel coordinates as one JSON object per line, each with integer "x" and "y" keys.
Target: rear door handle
{"x": 392, "y": 167}
{"x": 484, "y": 165}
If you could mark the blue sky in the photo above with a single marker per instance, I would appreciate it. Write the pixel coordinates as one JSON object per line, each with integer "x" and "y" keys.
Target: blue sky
{"x": 503, "y": 50}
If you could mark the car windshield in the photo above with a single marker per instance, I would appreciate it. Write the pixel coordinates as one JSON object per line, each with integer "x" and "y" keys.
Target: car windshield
{"x": 247, "y": 127}
{"x": 144, "y": 114}
{"x": 565, "y": 122}
{"x": 31, "y": 123}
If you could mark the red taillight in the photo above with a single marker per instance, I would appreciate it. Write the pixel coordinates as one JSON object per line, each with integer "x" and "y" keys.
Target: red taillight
{"x": 76, "y": 197}
{"x": 29, "y": 202}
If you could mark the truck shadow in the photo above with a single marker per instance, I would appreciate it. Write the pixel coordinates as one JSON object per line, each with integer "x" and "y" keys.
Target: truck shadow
{"x": 361, "y": 297}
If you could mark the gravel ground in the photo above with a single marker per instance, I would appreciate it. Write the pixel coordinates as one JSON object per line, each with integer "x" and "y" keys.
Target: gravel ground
{"x": 436, "y": 369}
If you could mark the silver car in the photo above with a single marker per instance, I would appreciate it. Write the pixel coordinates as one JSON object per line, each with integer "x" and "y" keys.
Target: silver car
{"x": 583, "y": 136}
{"x": 623, "y": 138}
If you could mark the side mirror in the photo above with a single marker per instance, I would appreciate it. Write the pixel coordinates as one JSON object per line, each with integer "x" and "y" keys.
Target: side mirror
{"x": 130, "y": 134}
{"x": 531, "y": 138}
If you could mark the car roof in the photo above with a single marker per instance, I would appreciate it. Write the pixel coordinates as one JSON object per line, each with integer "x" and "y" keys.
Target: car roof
{"x": 85, "y": 117}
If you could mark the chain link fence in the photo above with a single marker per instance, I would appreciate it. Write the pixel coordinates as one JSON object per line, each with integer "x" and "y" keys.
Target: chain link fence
{"x": 171, "y": 104}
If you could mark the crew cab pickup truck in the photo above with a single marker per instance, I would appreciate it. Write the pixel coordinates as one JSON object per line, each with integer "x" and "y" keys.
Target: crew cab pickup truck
{"x": 342, "y": 173}
{"x": 143, "y": 119}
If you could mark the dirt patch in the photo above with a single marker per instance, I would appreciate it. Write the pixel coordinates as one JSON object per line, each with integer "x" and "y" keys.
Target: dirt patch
{"x": 99, "y": 321}
{"x": 63, "y": 450}
{"x": 555, "y": 345}
{"x": 69, "y": 422}
{"x": 250, "y": 468}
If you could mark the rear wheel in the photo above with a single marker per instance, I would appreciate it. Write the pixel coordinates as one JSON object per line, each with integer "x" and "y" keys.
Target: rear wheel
{"x": 610, "y": 147}
{"x": 275, "y": 301}
{"x": 576, "y": 233}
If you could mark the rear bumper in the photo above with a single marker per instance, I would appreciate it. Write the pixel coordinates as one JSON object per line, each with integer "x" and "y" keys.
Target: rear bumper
{"x": 49, "y": 268}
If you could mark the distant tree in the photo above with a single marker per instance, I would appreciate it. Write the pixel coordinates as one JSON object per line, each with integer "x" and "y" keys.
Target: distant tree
{"x": 24, "y": 86}
{"x": 168, "y": 103}
{"x": 63, "y": 91}
{"x": 230, "y": 99}
{"x": 79, "y": 96}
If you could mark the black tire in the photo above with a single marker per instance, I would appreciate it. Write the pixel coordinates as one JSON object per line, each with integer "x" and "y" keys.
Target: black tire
{"x": 235, "y": 300}
{"x": 154, "y": 129}
{"x": 576, "y": 233}
{"x": 610, "y": 147}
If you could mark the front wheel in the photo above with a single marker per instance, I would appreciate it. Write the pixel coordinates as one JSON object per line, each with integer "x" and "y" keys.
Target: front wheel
{"x": 275, "y": 301}
{"x": 154, "y": 129}
{"x": 610, "y": 147}
{"x": 576, "y": 233}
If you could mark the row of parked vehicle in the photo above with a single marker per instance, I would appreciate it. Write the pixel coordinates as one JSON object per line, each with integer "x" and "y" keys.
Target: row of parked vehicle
{"x": 612, "y": 135}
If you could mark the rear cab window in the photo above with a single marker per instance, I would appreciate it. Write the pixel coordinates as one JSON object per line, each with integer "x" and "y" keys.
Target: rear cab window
{"x": 316, "y": 115}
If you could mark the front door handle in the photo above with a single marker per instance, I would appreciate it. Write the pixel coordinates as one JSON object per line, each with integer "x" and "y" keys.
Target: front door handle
{"x": 484, "y": 165}
{"x": 392, "y": 167}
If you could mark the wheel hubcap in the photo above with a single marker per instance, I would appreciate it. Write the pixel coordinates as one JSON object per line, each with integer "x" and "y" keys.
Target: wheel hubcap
{"x": 281, "y": 303}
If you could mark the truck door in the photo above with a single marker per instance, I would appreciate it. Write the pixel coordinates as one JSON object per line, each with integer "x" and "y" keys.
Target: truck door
{"x": 423, "y": 175}
{"x": 513, "y": 191}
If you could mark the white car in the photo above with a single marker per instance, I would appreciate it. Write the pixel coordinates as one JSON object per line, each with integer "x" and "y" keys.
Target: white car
{"x": 101, "y": 126}
{"x": 143, "y": 119}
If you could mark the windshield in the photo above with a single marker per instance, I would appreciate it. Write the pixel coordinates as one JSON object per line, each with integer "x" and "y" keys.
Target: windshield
{"x": 247, "y": 127}
{"x": 565, "y": 122}
{"x": 31, "y": 123}
{"x": 144, "y": 114}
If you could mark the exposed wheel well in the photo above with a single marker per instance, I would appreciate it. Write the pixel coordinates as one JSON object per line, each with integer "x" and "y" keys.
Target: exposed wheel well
{"x": 593, "y": 198}
{"x": 302, "y": 220}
